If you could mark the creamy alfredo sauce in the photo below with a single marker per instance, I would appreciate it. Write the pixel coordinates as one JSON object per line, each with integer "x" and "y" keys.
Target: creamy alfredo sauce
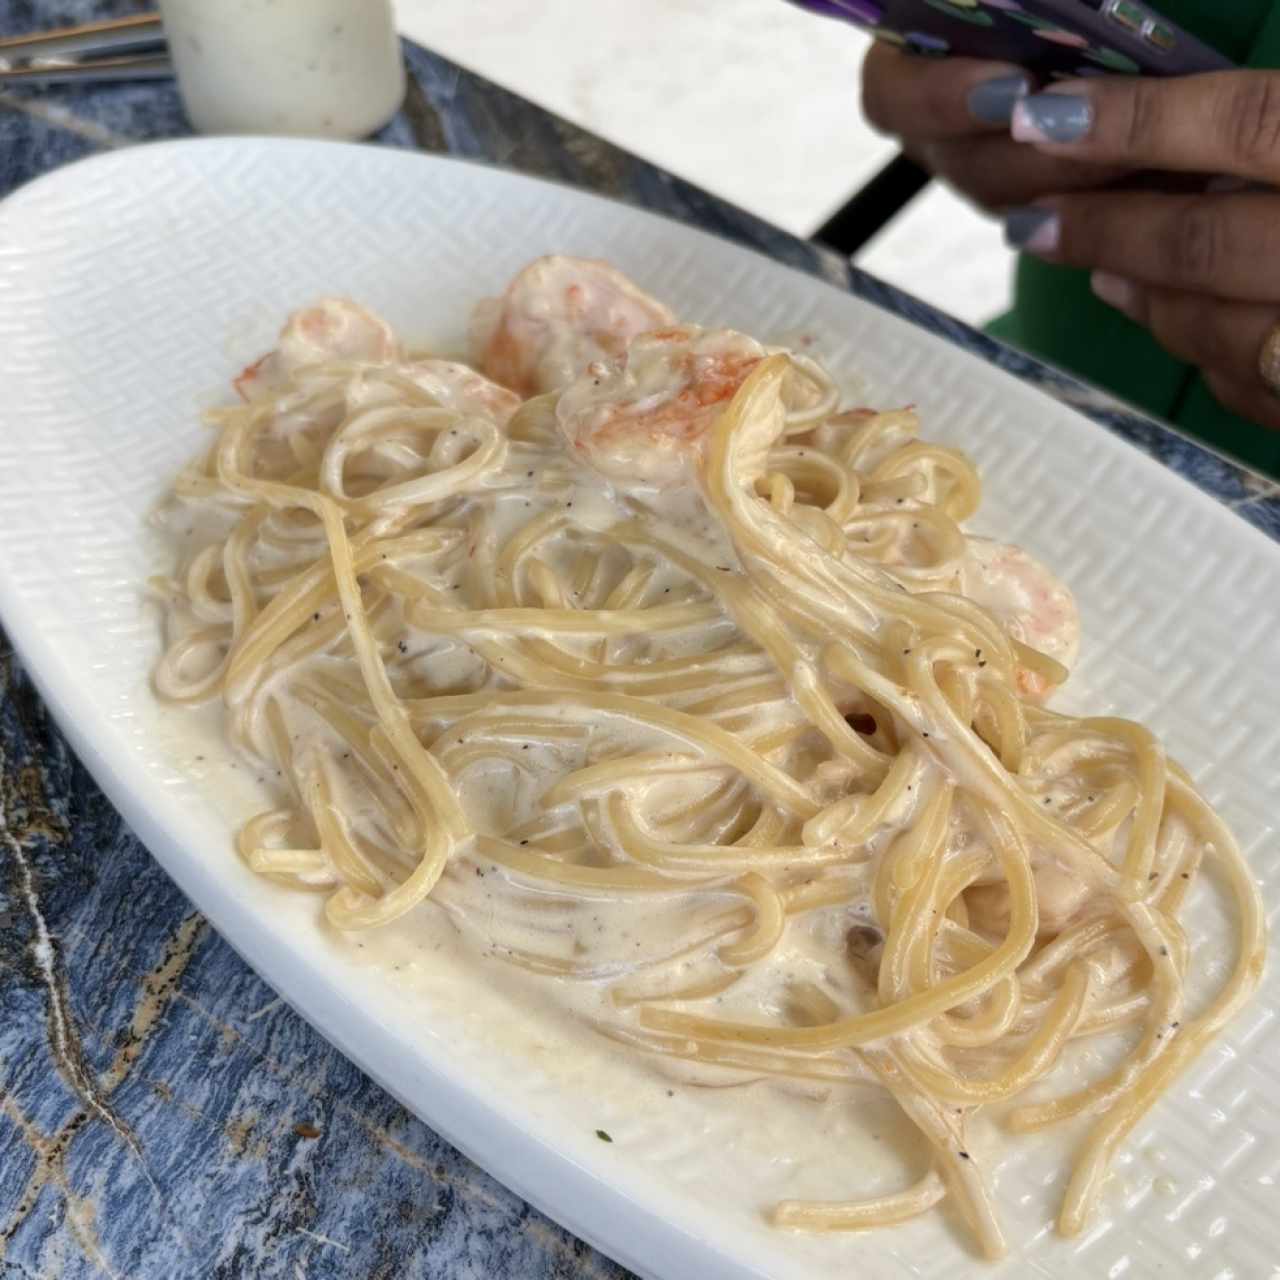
{"x": 599, "y": 954}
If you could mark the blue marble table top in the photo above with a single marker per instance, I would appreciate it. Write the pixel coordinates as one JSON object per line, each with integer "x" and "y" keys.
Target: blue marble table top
{"x": 162, "y": 1112}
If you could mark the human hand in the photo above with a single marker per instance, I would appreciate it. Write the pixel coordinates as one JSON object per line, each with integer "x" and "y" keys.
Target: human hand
{"x": 952, "y": 115}
{"x": 1201, "y": 271}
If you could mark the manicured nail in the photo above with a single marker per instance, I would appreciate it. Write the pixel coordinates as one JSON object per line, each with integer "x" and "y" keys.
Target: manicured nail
{"x": 1115, "y": 291}
{"x": 1035, "y": 230}
{"x": 992, "y": 100}
{"x": 1052, "y": 117}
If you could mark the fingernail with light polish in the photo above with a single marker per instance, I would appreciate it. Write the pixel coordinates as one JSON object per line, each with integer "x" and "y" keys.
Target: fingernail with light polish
{"x": 1035, "y": 230}
{"x": 992, "y": 101}
{"x": 1052, "y": 117}
{"x": 1115, "y": 291}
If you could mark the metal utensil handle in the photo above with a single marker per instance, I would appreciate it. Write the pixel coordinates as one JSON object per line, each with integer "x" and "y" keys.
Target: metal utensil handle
{"x": 138, "y": 32}
{"x": 155, "y": 67}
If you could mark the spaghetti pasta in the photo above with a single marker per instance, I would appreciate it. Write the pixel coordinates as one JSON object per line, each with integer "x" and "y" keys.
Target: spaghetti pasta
{"x": 677, "y": 640}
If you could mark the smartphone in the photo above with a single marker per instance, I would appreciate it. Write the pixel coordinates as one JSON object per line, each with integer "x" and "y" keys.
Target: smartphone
{"x": 1055, "y": 39}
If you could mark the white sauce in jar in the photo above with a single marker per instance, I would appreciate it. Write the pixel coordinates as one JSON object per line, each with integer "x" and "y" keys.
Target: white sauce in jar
{"x": 316, "y": 68}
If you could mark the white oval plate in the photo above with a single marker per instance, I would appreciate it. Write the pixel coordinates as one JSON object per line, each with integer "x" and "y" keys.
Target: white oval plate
{"x": 132, "y": 285}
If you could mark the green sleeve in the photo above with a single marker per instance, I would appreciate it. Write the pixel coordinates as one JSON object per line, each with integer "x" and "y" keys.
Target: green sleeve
{"x": 1232, "y": 26}
{"x": 1057, "y": 318}
{"x": 1198, "y": 411}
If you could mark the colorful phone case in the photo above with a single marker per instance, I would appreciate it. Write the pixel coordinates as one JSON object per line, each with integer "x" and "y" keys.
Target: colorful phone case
{"x": 1056, "y": 39}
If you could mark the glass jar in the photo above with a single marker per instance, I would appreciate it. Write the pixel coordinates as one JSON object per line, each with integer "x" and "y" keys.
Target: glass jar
{"x": 315, "y": 68}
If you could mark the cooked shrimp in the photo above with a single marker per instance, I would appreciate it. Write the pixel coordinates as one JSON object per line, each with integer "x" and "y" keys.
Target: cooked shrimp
{"x": 331, "y": 329}
{"x": 556, "y": 317}
{"x": 459, "y": 386}
{"x": 646, "y": 417}
{"x": 1034, "y": 605}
